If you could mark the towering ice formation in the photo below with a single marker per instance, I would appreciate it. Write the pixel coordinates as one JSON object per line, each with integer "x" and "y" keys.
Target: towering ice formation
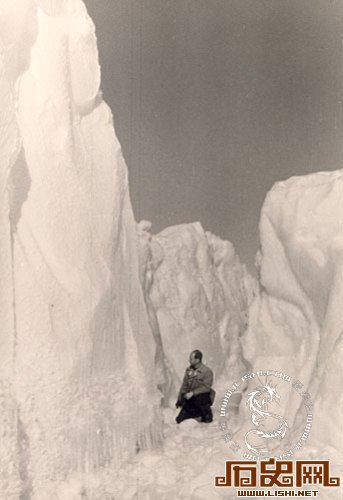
{"x": 297, "y": 323}
{"x": 77, "y": 386}
{"x": 198, "y": 296}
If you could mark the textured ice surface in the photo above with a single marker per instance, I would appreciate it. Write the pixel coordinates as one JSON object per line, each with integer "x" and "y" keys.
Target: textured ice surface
{"x": 77, "y": 355}
{"x": 296, "y": 324}
{"x": 198, "y": 295}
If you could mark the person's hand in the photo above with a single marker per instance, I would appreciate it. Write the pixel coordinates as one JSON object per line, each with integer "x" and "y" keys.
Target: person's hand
{"x": 188, "y": 395}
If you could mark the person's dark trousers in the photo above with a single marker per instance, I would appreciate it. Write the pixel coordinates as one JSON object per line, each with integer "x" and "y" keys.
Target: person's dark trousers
{"x": 196, "y": 406}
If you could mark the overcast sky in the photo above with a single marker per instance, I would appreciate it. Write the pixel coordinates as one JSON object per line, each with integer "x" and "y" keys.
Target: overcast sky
{"x": 215, "y": 100}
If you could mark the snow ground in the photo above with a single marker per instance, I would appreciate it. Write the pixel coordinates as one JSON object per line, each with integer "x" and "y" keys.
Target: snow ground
{"x": 185, "y": 466}
{"x": 192, "y": 454}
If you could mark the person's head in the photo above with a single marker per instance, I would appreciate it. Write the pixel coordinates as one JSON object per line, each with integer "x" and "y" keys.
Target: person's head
{"x": 195, "y": 357}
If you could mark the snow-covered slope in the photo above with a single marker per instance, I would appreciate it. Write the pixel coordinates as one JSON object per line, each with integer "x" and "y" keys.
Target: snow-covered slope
{"x": 77, "y": 380}
{"x": 297, "y": 323}
{"x": 198, "y": 295}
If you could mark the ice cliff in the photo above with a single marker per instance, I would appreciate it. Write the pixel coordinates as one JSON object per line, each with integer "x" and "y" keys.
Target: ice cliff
{"x": 77, "y": 353}
{"x": 198, "y": 295}
{"x": 296, "y": 324}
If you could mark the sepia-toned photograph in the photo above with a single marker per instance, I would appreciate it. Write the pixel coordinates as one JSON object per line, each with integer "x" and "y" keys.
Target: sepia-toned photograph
{"x": 171, "y": 241}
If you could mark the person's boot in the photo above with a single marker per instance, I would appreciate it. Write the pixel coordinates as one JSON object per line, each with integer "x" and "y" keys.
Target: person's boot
{"x": 208, "y": 417}
{"x": 182, "y": 416}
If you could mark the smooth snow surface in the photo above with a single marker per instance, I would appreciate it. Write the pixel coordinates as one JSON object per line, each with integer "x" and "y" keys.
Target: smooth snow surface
{"x": 78, "y": 391}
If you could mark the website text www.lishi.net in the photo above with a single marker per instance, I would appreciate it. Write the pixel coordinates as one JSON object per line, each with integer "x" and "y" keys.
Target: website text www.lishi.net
{"x": 277, "y": 493}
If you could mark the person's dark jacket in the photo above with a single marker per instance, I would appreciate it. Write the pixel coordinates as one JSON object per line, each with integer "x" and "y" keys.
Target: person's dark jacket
{"x": 198, "y": 380}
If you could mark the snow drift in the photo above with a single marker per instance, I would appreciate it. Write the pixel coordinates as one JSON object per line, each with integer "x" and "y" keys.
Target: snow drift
{"x": 76, "y": 349}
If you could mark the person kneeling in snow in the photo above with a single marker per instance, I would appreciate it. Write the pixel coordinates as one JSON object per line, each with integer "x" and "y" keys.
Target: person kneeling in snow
{"x": 196, "y": 395}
